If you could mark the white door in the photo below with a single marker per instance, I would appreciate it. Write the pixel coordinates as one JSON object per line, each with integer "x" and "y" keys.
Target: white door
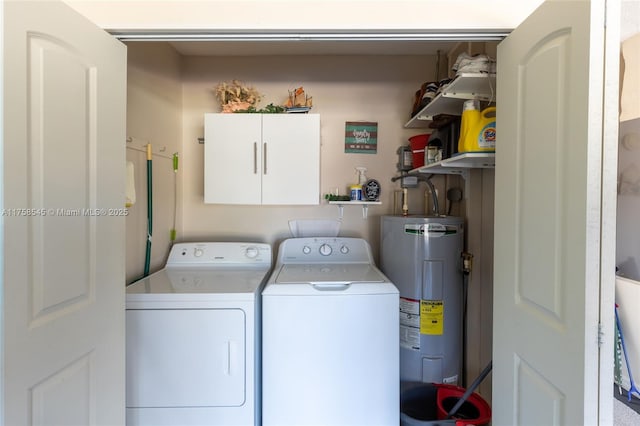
{"x": 553, "y": 265}
{"x": 233, "y": 158}
{"x": 291, "y": 159}
{"x": 63, "y": 230}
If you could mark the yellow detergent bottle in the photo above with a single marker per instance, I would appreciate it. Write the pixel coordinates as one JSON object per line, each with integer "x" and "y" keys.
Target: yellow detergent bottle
{"x": 478, "y": 134}
{"x": 470, "y": 117}
{"x": 482, "y": 137}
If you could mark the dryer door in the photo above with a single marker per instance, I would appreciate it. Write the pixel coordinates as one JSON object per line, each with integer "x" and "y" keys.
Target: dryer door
{"x": 185, "y": 358}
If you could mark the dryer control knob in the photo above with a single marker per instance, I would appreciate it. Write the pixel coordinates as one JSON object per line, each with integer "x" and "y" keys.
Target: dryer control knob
{"x": 251, "y": 252}
{"x": 197, "y": 252}
{"x": 344, "y": 249}
{"x": 325, "y": 249}
{"x": 306, "y": 249}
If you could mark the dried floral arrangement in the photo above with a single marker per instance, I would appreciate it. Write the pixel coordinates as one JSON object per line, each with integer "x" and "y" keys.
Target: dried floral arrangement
{"x": 236, "y": 96}
{"x": 298, "y": 98}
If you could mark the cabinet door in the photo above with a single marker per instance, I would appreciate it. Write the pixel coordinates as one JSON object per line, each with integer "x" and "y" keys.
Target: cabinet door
{"x": 185, "y": 357}
{"x": 291, "y": 159}
{"x": 232, "y": 158}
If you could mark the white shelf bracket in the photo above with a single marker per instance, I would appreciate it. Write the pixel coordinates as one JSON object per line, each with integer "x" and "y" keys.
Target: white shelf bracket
{"x": 365, "y": 206}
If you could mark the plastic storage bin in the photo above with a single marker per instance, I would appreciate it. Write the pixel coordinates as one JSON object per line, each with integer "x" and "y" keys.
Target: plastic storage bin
{"x": 423, "y": 404}
{"x": 418, "y": 144}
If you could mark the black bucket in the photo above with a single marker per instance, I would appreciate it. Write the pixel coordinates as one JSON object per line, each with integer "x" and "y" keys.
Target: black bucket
{"x": 427, "y": 404}
{"x": 419, "y": 403}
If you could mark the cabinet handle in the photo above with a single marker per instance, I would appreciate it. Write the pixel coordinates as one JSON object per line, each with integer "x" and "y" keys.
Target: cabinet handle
{"x": 255, "y": 158}
{"x": 264, "y": 156}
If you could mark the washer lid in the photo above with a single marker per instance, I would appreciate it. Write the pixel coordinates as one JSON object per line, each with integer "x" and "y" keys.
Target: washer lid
{"x": 202, "y": 281}
{"x": 329, "y": 273}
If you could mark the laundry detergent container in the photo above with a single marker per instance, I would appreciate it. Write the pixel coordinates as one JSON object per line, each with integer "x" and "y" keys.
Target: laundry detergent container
{"x": 423, "y": 404}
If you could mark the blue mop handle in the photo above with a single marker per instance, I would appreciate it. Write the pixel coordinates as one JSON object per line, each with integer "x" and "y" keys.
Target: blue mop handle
{"x": 632, "y": 386}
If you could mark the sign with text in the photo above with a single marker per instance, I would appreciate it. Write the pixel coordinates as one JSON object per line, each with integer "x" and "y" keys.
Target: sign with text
{"x": 361, "y": 137}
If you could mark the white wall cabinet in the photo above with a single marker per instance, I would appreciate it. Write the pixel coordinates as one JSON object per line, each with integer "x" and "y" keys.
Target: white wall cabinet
{"x": 262, "y": 159}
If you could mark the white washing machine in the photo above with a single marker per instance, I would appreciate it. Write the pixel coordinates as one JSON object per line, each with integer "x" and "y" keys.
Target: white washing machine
{"x": 192, "y": 337}
{"x": 330, "y": 337}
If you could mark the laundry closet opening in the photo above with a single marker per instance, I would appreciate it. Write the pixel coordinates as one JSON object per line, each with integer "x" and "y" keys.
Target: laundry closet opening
{"x": 172, "y": 80}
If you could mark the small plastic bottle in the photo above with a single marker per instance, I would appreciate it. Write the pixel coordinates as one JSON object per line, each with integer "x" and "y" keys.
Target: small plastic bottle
{"x": 362, "y": 178}
{"x": 356, "y": 189}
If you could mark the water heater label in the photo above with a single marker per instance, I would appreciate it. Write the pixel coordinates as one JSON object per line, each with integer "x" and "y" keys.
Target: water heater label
{"x": 429, "y": 229}
{"x": 453, "y": 380}
{"x": 409, "y": 323}
{"x": 410, "y": 306}
{"x": 432, "y": 317}
{"x": 409, "y": 337}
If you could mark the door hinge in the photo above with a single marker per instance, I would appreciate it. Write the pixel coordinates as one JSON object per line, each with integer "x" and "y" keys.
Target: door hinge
{"x": 600, "y": 335}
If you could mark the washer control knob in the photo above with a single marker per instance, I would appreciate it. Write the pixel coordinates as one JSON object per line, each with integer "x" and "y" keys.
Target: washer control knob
{"x": 344, "y": 249}
{"x": 251, "y": 252}
{"x": 198, "y": 252}
{"x": 325, "y": 249}
{"x": 306, "y": 249}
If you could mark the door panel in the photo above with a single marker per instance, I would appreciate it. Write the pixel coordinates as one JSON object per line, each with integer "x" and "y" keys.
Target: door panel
{"x": 233, "y": 158}
{"x": 57, "y": 72}
{"x": 548, "y": 217}
{"x": 70, "y": 386}
{"x": 199, "y": 352}
{"x": 63, "y": 242}
{"x": 292, "y": 144}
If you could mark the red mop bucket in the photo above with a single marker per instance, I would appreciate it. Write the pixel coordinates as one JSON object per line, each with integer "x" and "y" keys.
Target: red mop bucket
{"x": 474, "y": 411}
{"x": 428, "y": 404}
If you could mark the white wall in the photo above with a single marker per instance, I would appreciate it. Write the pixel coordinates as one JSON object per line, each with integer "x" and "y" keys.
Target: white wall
{"x": 628, "y": 223}
{"x": 168, "y": 96}
{"x": 630, "y": 69}
{"x": 630, "y": 18}
{"x": 344, "y": 88}
{"x": 628, "y": 226}
{"x": 315, "y": 14}
{"x": 154, "y": 115}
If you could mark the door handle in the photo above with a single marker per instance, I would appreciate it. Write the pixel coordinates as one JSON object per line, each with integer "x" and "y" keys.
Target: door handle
{"x": 255, "y": 158}
{"x": 264, "y": 158}
{"x": 230, "y": 364}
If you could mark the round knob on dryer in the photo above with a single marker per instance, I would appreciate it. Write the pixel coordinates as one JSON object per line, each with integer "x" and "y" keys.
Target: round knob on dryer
{"x": 197, "y": 252}
{"x": 325, "y": 249}
{"x": 306, "y": 249}
{"x": 251, "y": 252}
{"x": 344, "y": 249}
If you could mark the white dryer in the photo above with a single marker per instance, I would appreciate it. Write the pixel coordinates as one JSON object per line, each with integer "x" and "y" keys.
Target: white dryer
{"x": 330, "y": 337}
{"x": 192, "y": 337}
